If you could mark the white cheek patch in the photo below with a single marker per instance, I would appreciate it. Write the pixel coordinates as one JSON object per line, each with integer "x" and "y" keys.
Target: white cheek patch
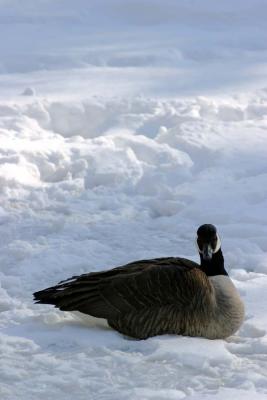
{"x": 217, "y": 248}
{"x": 218, "y": 245}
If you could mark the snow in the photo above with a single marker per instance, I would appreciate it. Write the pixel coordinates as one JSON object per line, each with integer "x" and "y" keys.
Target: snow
{"x": 124, "y": 125}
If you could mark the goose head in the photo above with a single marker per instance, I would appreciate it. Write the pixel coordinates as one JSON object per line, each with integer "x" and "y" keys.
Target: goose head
{"x": 208, "y": 241}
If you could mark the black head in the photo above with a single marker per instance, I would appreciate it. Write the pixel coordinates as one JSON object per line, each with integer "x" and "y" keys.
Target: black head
{"x": 208, "y": 241}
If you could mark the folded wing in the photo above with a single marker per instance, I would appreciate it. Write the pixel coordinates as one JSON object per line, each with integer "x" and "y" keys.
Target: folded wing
{"x": 142, "y": 285}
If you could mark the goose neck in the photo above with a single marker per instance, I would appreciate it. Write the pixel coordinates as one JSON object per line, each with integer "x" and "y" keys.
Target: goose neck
{"x": 215, "y": 266}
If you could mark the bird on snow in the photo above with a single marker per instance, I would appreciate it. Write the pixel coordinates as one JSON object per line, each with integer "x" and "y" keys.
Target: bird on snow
{"x": 158, "y": 296}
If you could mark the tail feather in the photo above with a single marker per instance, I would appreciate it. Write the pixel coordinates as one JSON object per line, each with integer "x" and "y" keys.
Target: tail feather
{"x": 76, "y": 294}
{"x": 56, "y": 294}
{"x": 85, "y": 293}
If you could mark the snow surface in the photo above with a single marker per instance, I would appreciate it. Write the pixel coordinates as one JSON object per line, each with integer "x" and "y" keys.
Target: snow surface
{"x": 125, "y": 124}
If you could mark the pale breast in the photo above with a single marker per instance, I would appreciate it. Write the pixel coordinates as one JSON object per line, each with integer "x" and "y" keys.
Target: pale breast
{"x": 230, "y": 310}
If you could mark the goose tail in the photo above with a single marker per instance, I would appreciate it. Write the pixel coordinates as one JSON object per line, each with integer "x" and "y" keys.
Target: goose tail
{"x": 75, "y": 294}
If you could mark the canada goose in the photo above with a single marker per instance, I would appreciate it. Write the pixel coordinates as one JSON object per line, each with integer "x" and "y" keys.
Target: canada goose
{"x": 163, "y": 295}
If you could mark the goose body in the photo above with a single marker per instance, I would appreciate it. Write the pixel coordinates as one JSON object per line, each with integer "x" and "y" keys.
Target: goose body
{"x": 153, "y": 297}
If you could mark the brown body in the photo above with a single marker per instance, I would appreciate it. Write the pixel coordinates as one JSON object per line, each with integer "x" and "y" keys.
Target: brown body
{"x": 153, "y": 297}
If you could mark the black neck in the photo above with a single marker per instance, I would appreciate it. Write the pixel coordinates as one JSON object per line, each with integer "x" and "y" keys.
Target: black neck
{"x": 215, "y": 266}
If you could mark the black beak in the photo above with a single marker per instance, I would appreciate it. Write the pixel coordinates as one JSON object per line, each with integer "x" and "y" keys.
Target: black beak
{"x": 207, "y": 252}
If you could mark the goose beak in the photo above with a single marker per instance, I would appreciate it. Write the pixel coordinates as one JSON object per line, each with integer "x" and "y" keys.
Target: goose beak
{"x": 207, "y": 252}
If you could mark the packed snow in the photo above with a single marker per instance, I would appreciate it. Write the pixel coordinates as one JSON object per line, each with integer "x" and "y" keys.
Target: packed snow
{"x": 124, "y": 125}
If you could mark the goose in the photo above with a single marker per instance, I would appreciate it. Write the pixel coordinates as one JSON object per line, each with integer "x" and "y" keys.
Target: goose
{"x": 158, "y": 296}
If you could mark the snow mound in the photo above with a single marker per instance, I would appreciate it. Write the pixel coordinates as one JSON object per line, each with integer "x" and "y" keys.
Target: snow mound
{"x": 28, "y": 92}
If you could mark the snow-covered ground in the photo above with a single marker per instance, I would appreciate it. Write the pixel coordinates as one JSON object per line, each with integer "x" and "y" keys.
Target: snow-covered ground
{"x": 125, "y": 124}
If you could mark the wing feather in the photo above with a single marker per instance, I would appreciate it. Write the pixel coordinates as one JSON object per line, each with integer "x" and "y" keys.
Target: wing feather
{"x": 140, "y": 285}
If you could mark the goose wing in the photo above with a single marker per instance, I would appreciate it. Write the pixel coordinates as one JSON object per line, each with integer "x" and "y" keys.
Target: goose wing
{"x": 139, "y": 285}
